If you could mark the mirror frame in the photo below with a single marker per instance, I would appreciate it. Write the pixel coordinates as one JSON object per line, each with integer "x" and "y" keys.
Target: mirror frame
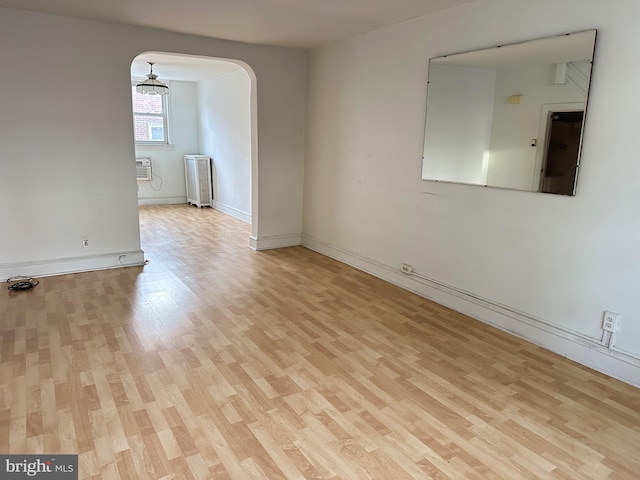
{"x": 537, "y": 161}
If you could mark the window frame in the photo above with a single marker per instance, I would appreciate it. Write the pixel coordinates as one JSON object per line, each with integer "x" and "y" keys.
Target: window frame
{"x": 164, "y": 115}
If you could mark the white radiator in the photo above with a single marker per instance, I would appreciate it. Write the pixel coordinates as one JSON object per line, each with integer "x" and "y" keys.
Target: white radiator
{"x": 197, "y": 172}
{"x": 143, "y": 168}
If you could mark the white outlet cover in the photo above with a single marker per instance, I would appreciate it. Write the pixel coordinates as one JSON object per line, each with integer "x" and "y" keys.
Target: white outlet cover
{"x": 611, "y": 322}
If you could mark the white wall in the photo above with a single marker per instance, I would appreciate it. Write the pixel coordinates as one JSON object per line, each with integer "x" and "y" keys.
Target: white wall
{"x": 168, "y": 183}
{"x": 542, "y": 266}
{"x": 225, "y": 136}
{"x": 458, "y": 123}
{"x": 66, "y": 140}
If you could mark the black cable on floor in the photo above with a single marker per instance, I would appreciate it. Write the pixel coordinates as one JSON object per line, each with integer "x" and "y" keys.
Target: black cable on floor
{"x": 19, "y": 283}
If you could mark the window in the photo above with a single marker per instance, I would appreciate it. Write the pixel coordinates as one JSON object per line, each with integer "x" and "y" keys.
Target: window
{"x": 149, "y": 118}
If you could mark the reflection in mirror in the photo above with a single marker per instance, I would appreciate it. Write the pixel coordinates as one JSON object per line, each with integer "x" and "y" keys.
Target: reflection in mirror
{"x": 509, "y": 116}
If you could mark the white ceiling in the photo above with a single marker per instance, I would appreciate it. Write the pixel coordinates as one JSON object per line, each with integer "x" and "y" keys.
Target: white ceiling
{"x": 289, "y": 23}
{"x": 185, "y": 68}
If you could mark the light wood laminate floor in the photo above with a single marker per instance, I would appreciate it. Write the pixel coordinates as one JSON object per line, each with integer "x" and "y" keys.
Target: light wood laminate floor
{"x": 215, "y": 362}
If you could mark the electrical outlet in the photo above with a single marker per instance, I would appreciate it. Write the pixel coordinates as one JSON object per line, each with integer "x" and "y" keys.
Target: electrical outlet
{"x": 611, "y": 322}
{"x": 406, "y": 268}
{"x": 85, "y": 242}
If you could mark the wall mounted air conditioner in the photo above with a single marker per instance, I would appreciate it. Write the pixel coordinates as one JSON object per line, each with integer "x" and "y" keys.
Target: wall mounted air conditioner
{"x": 197, "y": 172}
{"x": 143, "y": 169}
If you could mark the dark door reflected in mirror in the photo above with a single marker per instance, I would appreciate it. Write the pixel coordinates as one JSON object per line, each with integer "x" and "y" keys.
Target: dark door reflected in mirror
{"x": 559, "y": 170}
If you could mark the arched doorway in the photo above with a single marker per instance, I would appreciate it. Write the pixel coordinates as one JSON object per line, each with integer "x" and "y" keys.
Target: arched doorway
{"x": 210, "y": 110}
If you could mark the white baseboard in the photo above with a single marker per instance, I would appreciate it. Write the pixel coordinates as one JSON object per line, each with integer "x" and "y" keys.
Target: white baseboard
{"x": 233, "y": 212}
{"x": 275, "y": 241}
{"x": 585, "y": 350}
{"x": 61, "y": 266}
{"x": 162, "y": 200}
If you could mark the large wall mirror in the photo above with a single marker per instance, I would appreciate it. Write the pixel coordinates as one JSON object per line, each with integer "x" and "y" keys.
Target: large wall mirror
{"x": 510, "y": 116}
